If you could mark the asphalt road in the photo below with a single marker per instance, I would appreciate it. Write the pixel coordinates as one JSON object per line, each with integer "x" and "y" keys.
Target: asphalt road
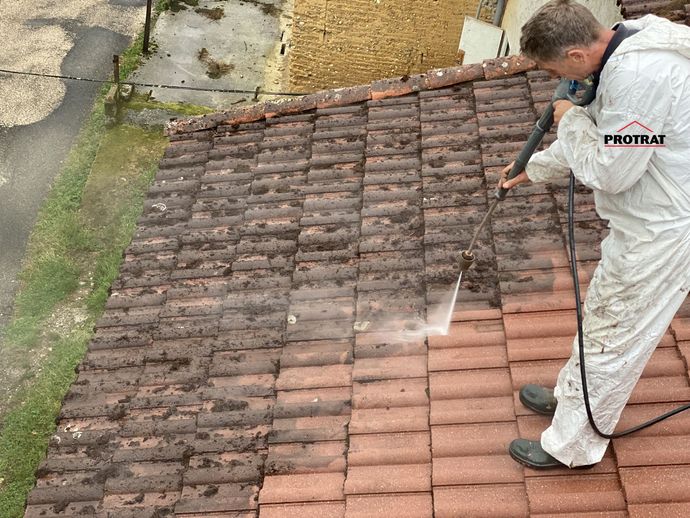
{"x": 32, "y": 154}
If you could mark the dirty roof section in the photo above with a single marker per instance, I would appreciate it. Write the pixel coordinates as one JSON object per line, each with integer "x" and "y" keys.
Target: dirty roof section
{"x": 258, "y": 356}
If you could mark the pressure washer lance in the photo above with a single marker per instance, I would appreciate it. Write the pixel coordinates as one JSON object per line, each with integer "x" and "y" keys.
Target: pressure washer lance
{"x": 566, "y": 89}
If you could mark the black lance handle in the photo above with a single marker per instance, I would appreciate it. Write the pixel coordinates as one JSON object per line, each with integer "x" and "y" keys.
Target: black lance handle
{"x": 564, "y": 90}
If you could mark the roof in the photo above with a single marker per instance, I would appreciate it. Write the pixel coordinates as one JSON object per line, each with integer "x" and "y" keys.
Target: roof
{"x": 252, "y": 359}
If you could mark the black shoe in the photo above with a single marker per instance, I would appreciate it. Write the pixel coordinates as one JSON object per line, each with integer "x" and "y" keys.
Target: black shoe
{"x": 531, "y": 454}
{"x": 537, "y": 398}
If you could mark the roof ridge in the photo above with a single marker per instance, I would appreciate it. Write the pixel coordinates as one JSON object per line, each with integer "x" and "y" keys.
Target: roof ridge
{"x": 380, "y": 89}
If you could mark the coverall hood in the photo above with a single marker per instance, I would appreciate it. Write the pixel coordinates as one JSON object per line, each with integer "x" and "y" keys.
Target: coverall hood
{"x": 664, "y": 35}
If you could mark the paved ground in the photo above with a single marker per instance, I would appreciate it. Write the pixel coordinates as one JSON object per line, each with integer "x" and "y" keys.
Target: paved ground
{"x": 246, "y": 39}
{"x": 39, "y": 118}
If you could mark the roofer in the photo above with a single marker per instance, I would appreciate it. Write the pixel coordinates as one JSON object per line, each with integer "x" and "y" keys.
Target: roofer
{"x": 642, "y": 69}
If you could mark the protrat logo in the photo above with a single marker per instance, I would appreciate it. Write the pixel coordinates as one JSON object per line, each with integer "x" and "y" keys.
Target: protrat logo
{"x": 642, "y": 137}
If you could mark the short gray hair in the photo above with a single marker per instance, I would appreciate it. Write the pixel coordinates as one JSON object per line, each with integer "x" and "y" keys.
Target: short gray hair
{"x": 558, "y": 26}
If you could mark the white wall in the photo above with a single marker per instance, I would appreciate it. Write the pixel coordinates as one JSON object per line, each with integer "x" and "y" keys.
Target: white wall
{"x": 479, "y": 40}
{"x": 519, "y": 11}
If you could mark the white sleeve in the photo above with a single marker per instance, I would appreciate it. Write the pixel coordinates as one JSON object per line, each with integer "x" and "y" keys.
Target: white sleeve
{"x": 548, "y": 164}
{"x": 631, "y": 95}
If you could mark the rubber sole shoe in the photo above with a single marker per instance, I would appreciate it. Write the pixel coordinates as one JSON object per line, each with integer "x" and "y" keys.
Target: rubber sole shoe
{"x": 532, "y": 455}
{"x": 538, "y": 398}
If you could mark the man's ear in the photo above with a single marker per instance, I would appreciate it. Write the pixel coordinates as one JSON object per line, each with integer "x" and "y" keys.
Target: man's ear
{"x": 577, "y": 55}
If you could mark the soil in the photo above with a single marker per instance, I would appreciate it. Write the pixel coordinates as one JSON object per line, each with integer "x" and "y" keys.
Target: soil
{"x": 346, "y": 42}
{"x": 215, "y": 68}
{"x": 212, "y": 14}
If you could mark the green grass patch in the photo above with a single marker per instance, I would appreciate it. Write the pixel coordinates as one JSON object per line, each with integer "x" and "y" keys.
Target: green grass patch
{"x": 113, "y": 199}
{"x": 80, "y": 236}
{"x": 51, "y": 267}
{"x": 27, "y": 429}
{"x": 140, "y": 102}
{"x": 105, "y": 196}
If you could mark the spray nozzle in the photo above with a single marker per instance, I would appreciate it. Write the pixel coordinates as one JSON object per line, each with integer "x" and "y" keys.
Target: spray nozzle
{"x": 465, "y": 260}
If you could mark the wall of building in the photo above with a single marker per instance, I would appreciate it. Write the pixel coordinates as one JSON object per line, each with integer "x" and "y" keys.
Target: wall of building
{"x": 346, "y": 42}
{"x": 519, "y": 11}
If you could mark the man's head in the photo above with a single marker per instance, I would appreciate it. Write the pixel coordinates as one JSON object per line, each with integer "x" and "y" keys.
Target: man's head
{"x": 565, "y": 39}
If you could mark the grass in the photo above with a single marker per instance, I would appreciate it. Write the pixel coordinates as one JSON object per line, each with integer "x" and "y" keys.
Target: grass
{"x": 26, "y": 431}
{"x": 142, "y": 102}
{"x": 75, "y": 247}
{"x": 81, "y": 233}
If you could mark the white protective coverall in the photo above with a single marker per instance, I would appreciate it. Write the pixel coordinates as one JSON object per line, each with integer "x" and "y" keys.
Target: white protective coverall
{"x": 644, "y": 273}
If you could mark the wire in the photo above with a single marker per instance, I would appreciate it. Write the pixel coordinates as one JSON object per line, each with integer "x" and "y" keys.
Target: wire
{"x": 581, "y": 340}
{"x": 172, "y": 87}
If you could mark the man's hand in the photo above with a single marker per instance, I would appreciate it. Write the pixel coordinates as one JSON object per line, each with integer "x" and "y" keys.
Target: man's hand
{"x": 559, "y": 108}
{"x": 509, "y": 184}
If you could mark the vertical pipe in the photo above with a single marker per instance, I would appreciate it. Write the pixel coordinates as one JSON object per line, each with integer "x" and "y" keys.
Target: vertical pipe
{"x": 147, "y": 27}
{"x": 498, "y": 15}
{"x": 116, "y": 70}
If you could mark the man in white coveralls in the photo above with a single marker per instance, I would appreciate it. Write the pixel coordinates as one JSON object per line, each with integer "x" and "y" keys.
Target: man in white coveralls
{"x": 641, "y": 186}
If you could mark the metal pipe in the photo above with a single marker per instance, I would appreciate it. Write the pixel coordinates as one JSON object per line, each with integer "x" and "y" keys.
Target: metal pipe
{"x": 498, "y": 15}
{"x": 479, "y": 9}
{"x": 147, "y": 27}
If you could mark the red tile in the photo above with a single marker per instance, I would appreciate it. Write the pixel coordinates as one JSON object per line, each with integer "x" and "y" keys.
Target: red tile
{"x": 477, "y": 311}
{"x": 72, "y": 509}
{"x": 477, "y": 469}
{"x": 661, "y": 389}
{"x": 538, "y": 325}
{"x": 472, "y": 410}
{"x": 226, "y": 497}
{"x": 649, "y": 485}
{"x": 389, "y": 449}
{"x": 684, "y": 348}
{"x": 470, "y": 334}
{"x": 309, "y": 429}
{"x": 388, "y": 479}
{"x": 470, "y": 384}
{"x": 497, "y": 501}
{"x": 681, "y": 328}
{"x": 318, "y": 457}
{"x": 549, "y": 258}
{"x": 472, "y": 439}
{"x": 313, "y": 395}
{"x": 530, "y": 302}
{"x": 408, "y": 505}
{"x": 379, "y": 420}
{"x": 390, "y": 393}
{"x": 575, "y": 494}
{"x": 651, "y": 451}
{"x": 314, "y": 377}
{"x": 634, "y": 415}
{"x": 671, "y": 510}
{"x": 307, "y": 354}
{"x": 467, "y": 358}
{"x": 302, "y": 488}
{"x": 542, "y": 348}
{"x": 390, "y": 368}
{"x": 539, "y": 372}
{"x": 303, "y": 510}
